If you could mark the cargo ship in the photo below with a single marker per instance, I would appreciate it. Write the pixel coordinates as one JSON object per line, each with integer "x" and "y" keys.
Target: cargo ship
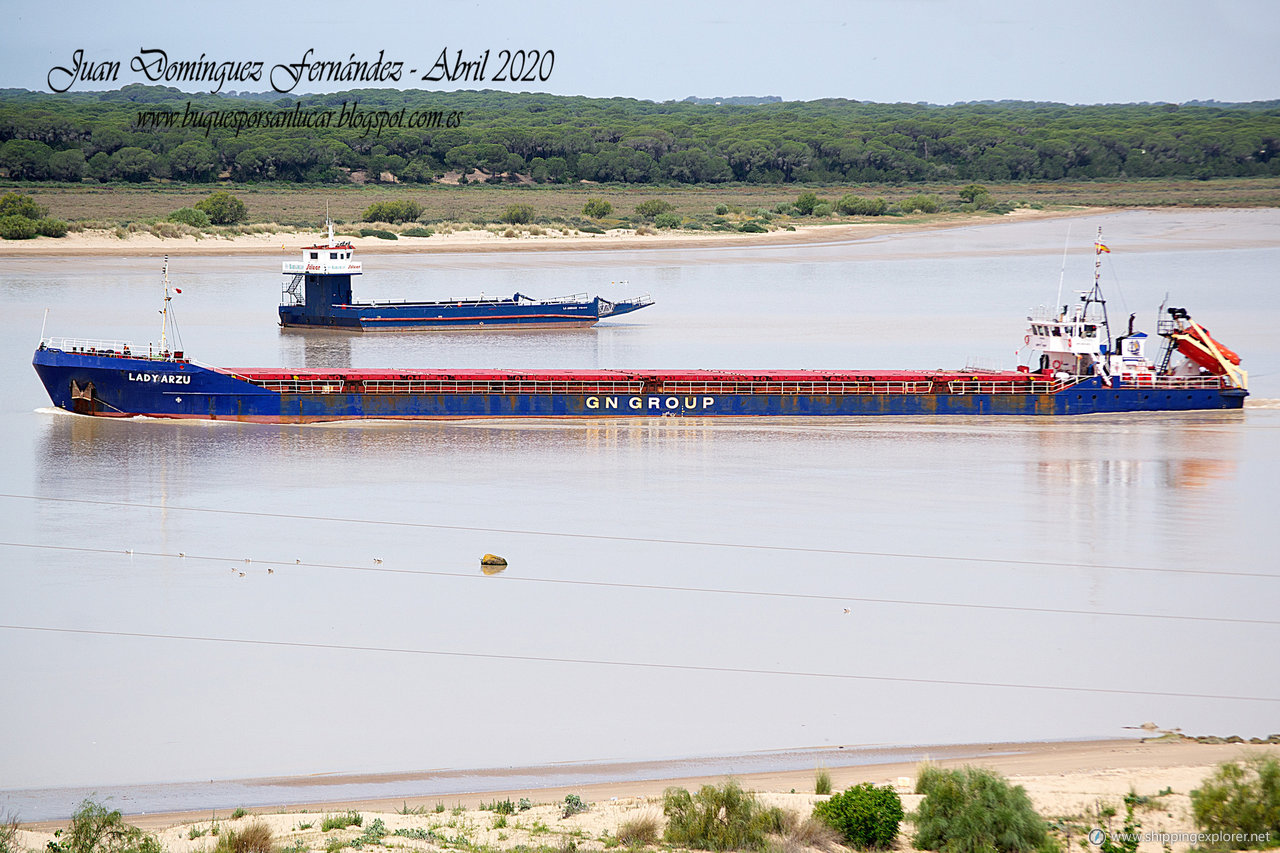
{"x": 1075, "y": 367}
{"x": 317, "y": 294}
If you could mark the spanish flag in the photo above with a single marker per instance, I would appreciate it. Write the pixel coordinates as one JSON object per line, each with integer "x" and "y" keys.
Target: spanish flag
{"x": 1101, "y": 248}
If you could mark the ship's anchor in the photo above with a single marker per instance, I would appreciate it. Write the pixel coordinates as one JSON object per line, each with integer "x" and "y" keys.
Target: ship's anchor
{"x": 84, "y": 401}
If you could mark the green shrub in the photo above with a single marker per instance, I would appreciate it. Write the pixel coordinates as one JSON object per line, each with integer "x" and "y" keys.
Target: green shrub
{"x": 667, "y": 220}
{"x": 417, "y": 232}
{"x": 17, "y": 204}
{"x": 399, "y": 210}
{"x": 718, "y": 818}
{"x": 518, "y": 214}
{"x": 722, "y": 209}
{"x": 822, "y": 782}
{"x": 975, "y": 810}
{"x": 223, "y": 208}
{"x": 254, "y": 838}
{"x": 652, "y": 208}
{"x": 190, "y": 216}
{"x": 822, "y": 208}
{"x": 597, "y": 208}
{"x": 752, "y": 228}
{"x": 379, "y": 233}
{"x": 852, "y": 205}
{"x": 866, "y": 817}
{"x": 51, "y": 227}
{"x": 806, "y": 202}
{"x": 17, "y": 228}
{"x": 922, "y": 203}
{"x": 93, "y": 829}
{"x": 239, "y": 813}
{"x": 573, "y": 805}
{"x": 373, "y": 834}
{"x": 1241, "y": 797}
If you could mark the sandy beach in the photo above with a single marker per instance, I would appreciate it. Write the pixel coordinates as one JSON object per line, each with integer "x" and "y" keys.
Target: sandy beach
{"x": 1066, "y": 781}
{"x": 106, "y": 243}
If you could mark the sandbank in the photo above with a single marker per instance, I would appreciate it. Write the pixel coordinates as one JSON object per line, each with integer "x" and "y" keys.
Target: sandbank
{"x": 106, "y": 244}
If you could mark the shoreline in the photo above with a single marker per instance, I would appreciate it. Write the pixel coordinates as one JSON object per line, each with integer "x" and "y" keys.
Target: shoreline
{"x": 1090, "y": 769}
{"x": 105, "y": 244}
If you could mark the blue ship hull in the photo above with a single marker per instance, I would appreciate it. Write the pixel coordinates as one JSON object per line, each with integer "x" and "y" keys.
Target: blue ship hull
{"x": 517, "y": 311}
{"x": 113, "y": 385}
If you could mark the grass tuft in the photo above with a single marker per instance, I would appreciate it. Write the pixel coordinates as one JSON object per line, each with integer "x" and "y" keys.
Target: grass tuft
{"x": 254, "y": 838}
{"x": 644, "y": 830}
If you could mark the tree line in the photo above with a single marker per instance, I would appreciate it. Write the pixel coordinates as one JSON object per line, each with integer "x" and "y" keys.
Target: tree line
{"x": 558, "y": 139}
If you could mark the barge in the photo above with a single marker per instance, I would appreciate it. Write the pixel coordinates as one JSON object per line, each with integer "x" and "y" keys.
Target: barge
{"x": 317, "y": 294}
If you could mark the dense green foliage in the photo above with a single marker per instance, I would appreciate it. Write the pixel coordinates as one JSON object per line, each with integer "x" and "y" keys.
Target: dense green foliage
{"x": 653, "y": 208}
{"x": 189, "y": 216}
{"x": 975, "y": 810}
{"x": 518, "y": 214}
{"x": 136, "y": 134}
{"x": 1241, "y": 797}
{"x": 223, "y": 208}
{"x": 718, "y": 818}
{"x": 399, "y": 210}
{"x": 94, "y": 829}
{"x": 17, "y": 228}
{"x": 866, "y": 816}
{"x": 597, "y": 208}
{"x": 17, "y": 204}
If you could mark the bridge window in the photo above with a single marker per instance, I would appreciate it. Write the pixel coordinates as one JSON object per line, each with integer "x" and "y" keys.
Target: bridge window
{"x": 315, "y": 256}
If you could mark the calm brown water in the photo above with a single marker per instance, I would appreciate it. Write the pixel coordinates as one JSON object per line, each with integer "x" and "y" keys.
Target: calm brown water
{"x": 873, "y": 550}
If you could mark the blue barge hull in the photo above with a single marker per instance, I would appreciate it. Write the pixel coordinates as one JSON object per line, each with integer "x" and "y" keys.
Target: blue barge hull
{"x": 518, "y": 311}
{"x": 111, "y": 384}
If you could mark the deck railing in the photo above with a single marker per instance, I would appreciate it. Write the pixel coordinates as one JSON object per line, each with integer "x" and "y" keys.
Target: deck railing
{"x": 92, "y": 346}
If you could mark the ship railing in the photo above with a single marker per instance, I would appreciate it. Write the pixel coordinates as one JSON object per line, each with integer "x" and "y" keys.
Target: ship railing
{"x": 435, "y": 386}
{"x": 790, "y": 388}
{"x": 91, "y": 346}
{"x": 560, "y": 300}
{"x": 1150, "y": 380}
{"x": 301, "y": 386}
{"x": 1017, "y": 387}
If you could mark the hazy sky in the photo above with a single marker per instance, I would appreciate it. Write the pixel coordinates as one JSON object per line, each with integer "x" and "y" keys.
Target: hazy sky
{"x": 878, "y": 50}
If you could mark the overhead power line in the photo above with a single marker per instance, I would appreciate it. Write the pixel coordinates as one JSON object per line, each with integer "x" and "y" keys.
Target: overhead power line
{"x": 949, "y": 682}
{"x": 508, "y": 578}
{"x": 602, "y": 537}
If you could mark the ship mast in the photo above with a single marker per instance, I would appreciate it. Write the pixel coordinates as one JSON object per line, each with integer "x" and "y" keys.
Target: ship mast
{"x": 1096, "y": 294}
{"x": 164, "y": 312}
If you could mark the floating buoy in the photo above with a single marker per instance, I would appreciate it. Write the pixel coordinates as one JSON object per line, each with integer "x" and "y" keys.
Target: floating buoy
{"x": 491, "y": 564}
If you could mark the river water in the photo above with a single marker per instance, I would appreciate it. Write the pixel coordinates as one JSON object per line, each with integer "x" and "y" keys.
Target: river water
{"x": 195, "y": 601}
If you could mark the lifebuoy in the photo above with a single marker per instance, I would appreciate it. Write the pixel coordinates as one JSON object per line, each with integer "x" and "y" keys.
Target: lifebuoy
{"x": 1057, "y": 363}
{"x": 1026, "y": 339}
{"x": 1068, "y": 343}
